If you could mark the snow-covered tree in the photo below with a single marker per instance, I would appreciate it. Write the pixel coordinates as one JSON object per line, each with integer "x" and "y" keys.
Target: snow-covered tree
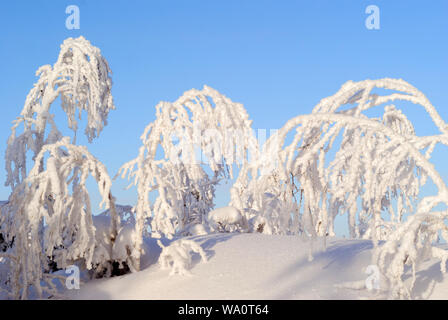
{"x": 200, "y": 137}
{"x": 43, "y": 221}
{"x": 51, "y": 216}
{"x": 81, "y": 79}
{"x": 340, "y": 161}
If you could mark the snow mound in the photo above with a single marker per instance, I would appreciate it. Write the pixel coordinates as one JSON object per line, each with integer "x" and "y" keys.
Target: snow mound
{"x": 226, "y": 219}
{"x": 257, "y": 266}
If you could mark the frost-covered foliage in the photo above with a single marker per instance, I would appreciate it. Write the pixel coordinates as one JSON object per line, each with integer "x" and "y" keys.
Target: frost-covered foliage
{"x": 49, "y": 215}
{"x": 340, "y": 161}
{"x": 178, "y": 255}
{"x": 192, "y": 144}
{"x": 81, "y": 79}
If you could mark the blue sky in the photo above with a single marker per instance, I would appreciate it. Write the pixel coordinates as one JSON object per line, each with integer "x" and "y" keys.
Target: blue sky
{"x": 278, "y": 58}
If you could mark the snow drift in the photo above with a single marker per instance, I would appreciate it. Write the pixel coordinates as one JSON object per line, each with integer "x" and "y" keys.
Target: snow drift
{"x": 256, "y": 266}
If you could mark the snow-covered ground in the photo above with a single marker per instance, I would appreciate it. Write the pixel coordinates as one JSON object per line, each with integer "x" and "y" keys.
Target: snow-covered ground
{"x": 255, "y": 266}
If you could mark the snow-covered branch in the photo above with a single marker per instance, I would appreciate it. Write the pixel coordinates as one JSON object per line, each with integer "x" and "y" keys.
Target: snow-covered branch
{"x": 52, "y": 214}
{"x": 81, "y": 78}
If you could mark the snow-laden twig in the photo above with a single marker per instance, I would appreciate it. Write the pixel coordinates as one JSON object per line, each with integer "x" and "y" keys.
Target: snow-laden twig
{"x": 178, "y": 256}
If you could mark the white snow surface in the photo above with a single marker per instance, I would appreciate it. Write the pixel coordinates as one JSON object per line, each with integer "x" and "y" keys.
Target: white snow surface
{"x": 257, "y": 266}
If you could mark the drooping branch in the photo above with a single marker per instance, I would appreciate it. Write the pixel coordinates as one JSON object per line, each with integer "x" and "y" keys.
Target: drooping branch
{"x": 52, "y": 215}
{"x": 81, "y": 78}
{"x": 375, "y": 160}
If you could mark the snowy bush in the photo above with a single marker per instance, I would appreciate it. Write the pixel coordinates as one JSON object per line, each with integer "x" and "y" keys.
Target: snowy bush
{"x": 365, "y": 171}
{"x": 199, "y": 121}
{"x": 44, "y": 222}
{"x": 52, "y": 215}
{"x": 178, "y": 256}
{"x": 373, "y": 174}
{"x": 226, "y": 219}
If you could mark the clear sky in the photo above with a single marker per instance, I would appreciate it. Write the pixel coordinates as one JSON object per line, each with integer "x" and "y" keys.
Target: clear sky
{"x": 278, "y": 58}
